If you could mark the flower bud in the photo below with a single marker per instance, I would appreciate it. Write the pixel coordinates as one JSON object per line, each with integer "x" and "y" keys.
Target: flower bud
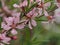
{"x": 14, "y": 37}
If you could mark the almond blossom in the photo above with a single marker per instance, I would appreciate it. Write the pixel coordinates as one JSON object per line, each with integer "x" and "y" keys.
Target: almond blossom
{"x": 42, "y": 7}
{"x": 4, "y": 39}
{"x": 23, "y": 15}
{"x": 30, "y": 18}
{"x": 12, "y": 23}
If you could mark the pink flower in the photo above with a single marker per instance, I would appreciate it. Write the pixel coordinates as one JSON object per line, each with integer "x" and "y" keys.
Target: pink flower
{"x": 16, "y": 17}
{"x": 31, "y": 15}
{"x": 42, "y": 7}
{"x": 12, "y": 23}
{"x": 4, "y": 26}
{"x": 9, "y": 20}
{"x": 5, "y": 39}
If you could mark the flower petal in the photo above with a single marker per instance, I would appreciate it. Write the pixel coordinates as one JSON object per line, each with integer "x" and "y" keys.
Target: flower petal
{"x": 9, "y": 20}
{"x": 6, "y": 40}
{"x": 1, "y": 44}
{"x": 33, "y": 22}
{"x": 13, "y": 31}
{"x": 30, "y": 25}
{"x": 21, "y": 26}
{"x": 16, "y": 6}
{"x": 6, "y": 27}
{"x": 46, "y": 13}
{"x": 46, "y": 5}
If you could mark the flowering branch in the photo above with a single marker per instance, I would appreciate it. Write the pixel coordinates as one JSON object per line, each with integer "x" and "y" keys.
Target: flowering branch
{"x": 29, "y": 10}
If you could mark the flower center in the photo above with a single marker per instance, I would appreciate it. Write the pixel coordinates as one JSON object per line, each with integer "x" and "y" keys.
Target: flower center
{"x": 49, "y": 17}
{"x": 41, "y": 5}
{"x": 13, "y": 25}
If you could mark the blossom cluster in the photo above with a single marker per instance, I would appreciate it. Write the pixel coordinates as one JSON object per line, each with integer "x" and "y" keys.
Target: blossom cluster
{"x": 14, "y": 20}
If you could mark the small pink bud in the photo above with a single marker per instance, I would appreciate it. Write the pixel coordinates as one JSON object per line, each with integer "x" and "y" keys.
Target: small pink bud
{"x": 14, "y": 37}
{"x": 0, "y": 38}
